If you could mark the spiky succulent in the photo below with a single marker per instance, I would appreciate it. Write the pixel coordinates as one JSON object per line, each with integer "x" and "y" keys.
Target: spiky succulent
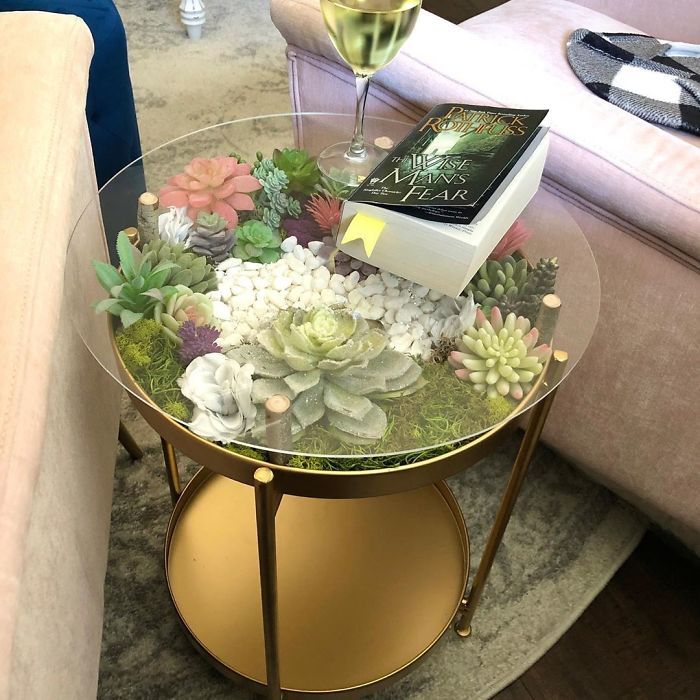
{"x": 197, "y": 341}
{"x": 498, "y": 356}
{"x": 257, "y": 242}
{"x": 498, "y": 281}
{"x": 332, "y": 365}
{"x": 273, "y": 203}
{"x": 540, "y": 282}
{"x": 211, "y": 237}
{"x": 189, "y": 269}
{"x": 139, "y": 284}
{"x": 302, "y": 171}
{"x": 180, "y": 305}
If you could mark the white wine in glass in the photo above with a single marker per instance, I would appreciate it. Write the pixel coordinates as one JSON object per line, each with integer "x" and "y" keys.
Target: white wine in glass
{"x": 367, "y": 34}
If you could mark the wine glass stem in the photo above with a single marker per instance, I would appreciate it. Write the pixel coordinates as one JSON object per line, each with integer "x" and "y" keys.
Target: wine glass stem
{"x": 357, "y": 149}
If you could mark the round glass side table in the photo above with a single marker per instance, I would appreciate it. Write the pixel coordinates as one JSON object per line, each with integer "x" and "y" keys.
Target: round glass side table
{"x": 318, "y": 550}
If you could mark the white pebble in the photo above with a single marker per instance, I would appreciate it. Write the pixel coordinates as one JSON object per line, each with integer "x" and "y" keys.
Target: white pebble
{"x": 323, "y": 274}
{"x": 315, "y": 246}
{"x": 392, "y": 292}
{"x": 407, "y": 312}
{"x": 327, "y": 296}
{"x": 221, "y": 310}
{"x": 252, "y": 265}
{"x": 434, "y": 295}
{"x": 374, "y": 313}
{"x": 351, "y": 281}
{"x": 243, "y": 300}
{"x": 296, "y": 265}
{"x": 216, "y": 296}
{"x": 389, "y": 316}
{"x": 355, "y": 297}
{"x": 394, "y": 303}
{"x": 389, "y": 279}
{"x": 260, "y": 307}
{"x": 244, "y": 283}
{"x": 281, "y": 283}
{"x": 420, "y": 291}
{"x": 402, "y": 342}
{"x": 398, "y": 329}
{"x": 228, "y": 264}
{"x": 370, "y": 290}
{"x": 427, "y": 307}
{"x": 306, "y": 297}
{"x": 261, "y": 283}
{"x": 277, "y": 298}
{"x": 287, "y": 245}
{"x": 293, "y": 293}
{"x": 298, "y": 253}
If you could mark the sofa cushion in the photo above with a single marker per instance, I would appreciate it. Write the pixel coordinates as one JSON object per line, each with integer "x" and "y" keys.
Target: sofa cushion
{"x": 44, "y": 61}
{"x": 515, "y": 55}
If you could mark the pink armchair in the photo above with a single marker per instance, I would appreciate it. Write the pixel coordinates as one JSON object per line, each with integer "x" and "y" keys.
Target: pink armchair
{"x": 629, "y": 414}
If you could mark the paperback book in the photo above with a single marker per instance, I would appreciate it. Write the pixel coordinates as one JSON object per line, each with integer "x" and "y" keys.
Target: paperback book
{"x": 438, "y": 204}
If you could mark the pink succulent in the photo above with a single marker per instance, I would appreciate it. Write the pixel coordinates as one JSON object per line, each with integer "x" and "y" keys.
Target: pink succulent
{"x": 514, "y": 238}
{"x": 325, "y": 211}
{"x": 209, "y": 185}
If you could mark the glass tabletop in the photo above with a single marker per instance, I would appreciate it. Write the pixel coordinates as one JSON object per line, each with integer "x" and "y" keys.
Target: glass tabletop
{"x": 221, "y": 299}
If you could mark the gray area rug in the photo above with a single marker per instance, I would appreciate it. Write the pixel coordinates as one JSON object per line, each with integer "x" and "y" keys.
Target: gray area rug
{"x": 567, "y": 537}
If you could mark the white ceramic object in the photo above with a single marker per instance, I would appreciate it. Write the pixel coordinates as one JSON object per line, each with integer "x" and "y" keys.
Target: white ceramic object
{"x": 192, "y": 15}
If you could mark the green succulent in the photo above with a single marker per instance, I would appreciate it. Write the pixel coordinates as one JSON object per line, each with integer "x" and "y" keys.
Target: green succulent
{"x": 257, "y": 242}
{"x": 137, "y": 286}
{"x": 498, "y": 282}
{"x": 540, "y": 282}
{"x": 302, "y": 171}
{"x": 330, "y": 364}
{"x": 181, "y": 305}
{"x": 273, "y": 203}
{"x": 337, "y": 184}
{"x": 189, "y": 269}
{"x": 499, "y": 356}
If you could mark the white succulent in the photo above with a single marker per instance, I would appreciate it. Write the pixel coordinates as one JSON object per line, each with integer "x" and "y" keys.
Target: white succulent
{"x": 456, "y": 325}
{"x": 220, "y": 389}
{"x": 174, "y": 225}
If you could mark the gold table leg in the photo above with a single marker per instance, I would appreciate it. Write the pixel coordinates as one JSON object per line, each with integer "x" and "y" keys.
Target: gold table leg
{"x": 267, "y": 501}
{"x": 538, "y": 417}
{"x": 128, "y": 443}
{"x": 171, "y": 470}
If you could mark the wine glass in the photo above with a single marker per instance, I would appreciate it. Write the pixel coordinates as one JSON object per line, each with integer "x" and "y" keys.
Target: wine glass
{"x": 367, "y": 34}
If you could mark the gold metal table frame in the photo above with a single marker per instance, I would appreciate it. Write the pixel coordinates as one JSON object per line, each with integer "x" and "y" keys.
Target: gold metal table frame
{"x": 357, "y": 575}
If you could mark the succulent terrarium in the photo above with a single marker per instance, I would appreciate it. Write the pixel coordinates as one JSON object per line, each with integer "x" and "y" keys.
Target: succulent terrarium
{"x": 240, "y": 296}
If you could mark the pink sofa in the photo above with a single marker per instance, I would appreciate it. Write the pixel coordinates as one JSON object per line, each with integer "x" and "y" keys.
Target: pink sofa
{"x": 60, "y": 411}
{"x": 629, "y": 414}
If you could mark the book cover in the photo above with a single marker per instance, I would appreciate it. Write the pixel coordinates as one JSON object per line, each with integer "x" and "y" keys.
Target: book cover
{"x": 451, "y": 162}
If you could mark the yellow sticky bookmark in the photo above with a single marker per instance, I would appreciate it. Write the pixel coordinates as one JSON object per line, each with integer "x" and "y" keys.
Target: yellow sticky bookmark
{"x": 366, "y": 229}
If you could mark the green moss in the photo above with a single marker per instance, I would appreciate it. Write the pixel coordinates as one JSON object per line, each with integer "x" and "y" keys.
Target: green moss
{"x": 308, "y": 462}
{"x": 246, "y": 452}
{"x": 177, "y": 409}
{"x": 153, "y": 363}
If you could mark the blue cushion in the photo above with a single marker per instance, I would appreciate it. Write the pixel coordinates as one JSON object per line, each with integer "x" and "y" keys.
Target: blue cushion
{"x": 111, "y": 115}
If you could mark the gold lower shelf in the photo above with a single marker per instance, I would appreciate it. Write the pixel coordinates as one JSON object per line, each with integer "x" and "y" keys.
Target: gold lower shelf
{"x": 366, "y": 586}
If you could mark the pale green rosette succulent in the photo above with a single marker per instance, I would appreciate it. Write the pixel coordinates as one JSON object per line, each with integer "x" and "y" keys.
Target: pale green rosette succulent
{"x": 179, "y": 306}
{"x": 500, "y": 356}
{"x": 330, "y": 364}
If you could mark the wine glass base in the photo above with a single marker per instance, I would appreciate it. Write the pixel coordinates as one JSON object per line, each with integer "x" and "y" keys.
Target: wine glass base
{"x": 335, "y": 163}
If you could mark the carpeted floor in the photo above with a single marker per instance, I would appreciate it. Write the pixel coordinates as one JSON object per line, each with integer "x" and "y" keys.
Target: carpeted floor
{"x": 566, "y": 539}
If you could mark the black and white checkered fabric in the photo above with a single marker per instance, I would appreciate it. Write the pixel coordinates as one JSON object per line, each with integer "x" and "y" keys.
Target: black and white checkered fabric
{"x": 654, "y": 79}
